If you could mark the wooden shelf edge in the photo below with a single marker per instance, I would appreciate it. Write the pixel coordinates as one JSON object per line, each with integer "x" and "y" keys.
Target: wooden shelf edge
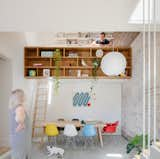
{"x": 76, "y": 47}
{"x": 74, "y": 77}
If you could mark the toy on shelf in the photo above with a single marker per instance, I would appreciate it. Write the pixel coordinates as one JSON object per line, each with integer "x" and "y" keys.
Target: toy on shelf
{"x": 32, "y": 73}
{"x": 46, "y": 72}
{"x": 46, "y": 53}
{"x": 83, "y": 63}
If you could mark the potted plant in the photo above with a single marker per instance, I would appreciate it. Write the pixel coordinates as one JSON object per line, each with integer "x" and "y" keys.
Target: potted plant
{"x": 57, "y": 59}
{"x": 137, "y": 143}
{"x": 96, "y": 64}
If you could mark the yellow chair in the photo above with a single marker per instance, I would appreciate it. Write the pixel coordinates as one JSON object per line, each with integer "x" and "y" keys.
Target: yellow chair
{"x": 51, "y": 131}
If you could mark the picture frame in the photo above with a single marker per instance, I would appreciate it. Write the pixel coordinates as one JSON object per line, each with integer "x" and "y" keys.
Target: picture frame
{"x": 46, "y": 72}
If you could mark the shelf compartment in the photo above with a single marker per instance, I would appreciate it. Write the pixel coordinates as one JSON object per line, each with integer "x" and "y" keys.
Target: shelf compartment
{"x": 29, "y": 52}
{"x": 69, "y": 62}
{"x": 44, "y": 62}
{"x": 85, "y": 62}
{"x": 73, "y": 72}
{"x": 61, "y": 72}
{"x": 78, "y": 52}
{"x": 128, "y": 72}
{"x": 27, "y": 70}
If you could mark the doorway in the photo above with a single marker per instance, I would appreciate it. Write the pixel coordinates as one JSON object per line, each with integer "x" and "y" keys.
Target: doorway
{"x": 5, "y": 89}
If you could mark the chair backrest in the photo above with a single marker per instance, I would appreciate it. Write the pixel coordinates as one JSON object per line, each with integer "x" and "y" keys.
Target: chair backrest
{"x": 89, "y": 130}
{"x": 70, "y": 130}
{"x": 110, "y": 127}
{"x": 51, "y": 130}
{"x": 60, "y": 119}
{"x": 75, "y": 119}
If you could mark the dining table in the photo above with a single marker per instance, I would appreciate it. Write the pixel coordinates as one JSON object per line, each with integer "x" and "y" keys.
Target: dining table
{"x": 97, "y": 124}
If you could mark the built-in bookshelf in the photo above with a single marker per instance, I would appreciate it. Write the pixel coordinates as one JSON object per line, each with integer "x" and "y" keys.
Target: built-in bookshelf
{"x": 76, "y": 62}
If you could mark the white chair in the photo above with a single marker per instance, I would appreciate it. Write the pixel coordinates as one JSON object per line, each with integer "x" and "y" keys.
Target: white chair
{"x": 70, "y": 132}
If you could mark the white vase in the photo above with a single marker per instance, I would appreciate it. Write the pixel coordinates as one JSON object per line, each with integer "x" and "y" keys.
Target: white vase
{"x": 137, "y": 156}
{"x": 78, "y": 73}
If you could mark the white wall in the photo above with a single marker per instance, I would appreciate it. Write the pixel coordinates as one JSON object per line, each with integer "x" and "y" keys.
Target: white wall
{"x": 106, "y": 107}
{"x": 132, "y": 94}
{"x": 132, "y": 106}
{"x": 5, "y": 90}
{"x": 107, "y": 91}
{"x": 70, "y": 15}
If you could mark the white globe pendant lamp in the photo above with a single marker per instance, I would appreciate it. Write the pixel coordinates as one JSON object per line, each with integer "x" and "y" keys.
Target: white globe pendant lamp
{"x": 113, "y": 63}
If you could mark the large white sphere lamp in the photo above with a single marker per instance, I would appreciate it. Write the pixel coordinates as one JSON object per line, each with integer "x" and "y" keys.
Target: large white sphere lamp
{"x": 113, "y": 64}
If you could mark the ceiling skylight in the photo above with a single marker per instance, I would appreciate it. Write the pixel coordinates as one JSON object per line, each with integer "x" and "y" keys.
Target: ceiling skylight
{"x": 137, "y": 15}
{"x": 114, "y": 155}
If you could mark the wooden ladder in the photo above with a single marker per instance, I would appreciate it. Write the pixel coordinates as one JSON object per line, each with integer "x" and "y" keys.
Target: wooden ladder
{"x": 40, "y": 109}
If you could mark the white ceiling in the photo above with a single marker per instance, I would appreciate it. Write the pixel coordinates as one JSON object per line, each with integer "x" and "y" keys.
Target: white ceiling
{"x": 66, "y": 15}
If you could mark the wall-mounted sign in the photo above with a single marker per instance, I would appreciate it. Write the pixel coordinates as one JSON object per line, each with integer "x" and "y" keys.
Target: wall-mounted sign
{"x": 81, "y": 99}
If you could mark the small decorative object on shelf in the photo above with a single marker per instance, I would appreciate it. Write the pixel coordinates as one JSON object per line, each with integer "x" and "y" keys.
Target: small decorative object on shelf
{"x": 32, "y": 73}
{"x": 83, "y": 63}
{"x": 70, "y": 72}
{"x": 122, "y": 75}
{"x": 37, "y": 64}
{"x": 46, "y": 53}
{"x": 99, "y": 53}
{"x": 78, "y": 73}
{"x": 46, "y": 72}
{"x": 84, "y": 75}
{"x": 72, "y": 54}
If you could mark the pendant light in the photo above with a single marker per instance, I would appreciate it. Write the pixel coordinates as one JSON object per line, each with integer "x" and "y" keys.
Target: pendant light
{"x": 113, "y": 63}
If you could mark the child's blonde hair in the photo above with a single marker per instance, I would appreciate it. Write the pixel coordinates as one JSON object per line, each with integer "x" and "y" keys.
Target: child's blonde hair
{"x": 17, "y": 98}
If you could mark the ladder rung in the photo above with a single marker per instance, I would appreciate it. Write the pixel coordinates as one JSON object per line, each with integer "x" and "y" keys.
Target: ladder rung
{"x": 38, "y": 120}
{"x": 38, "y": 126}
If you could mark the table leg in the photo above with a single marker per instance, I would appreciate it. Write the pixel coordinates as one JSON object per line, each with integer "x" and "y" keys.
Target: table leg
{"x": 100, "y": 136}
{"x": 42, "y": 137}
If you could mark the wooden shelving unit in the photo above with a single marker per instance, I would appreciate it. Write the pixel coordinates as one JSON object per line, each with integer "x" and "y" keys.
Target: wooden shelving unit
{"x": 69, "y": 66}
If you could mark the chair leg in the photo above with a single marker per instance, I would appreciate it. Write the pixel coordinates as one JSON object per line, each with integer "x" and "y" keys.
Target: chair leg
{"x": 70, "y": 142}
{"x": 85, "y": 143}
{"x": 54, "y": 141}
{"x": 49, "y": 141}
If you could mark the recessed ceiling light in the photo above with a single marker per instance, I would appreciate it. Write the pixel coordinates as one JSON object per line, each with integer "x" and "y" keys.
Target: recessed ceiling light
{"x": 114, "y": 155}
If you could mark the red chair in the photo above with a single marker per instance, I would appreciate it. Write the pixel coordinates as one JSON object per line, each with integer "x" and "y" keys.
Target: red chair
{"x": 110, "y": 127}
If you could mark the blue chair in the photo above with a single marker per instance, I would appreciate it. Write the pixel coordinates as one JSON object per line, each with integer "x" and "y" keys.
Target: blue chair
{"x": 89, "y": 132}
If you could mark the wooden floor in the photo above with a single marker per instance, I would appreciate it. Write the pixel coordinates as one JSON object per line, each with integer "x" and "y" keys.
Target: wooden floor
{"x": 3, "y": 150}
